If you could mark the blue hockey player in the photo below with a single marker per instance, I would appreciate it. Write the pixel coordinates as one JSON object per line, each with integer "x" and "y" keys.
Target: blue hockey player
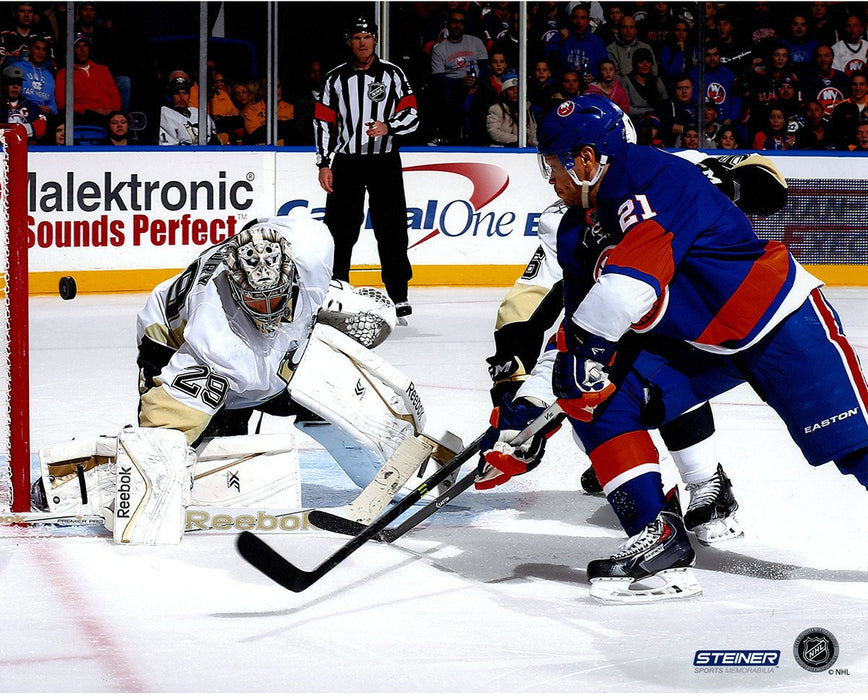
{"x": 686, "y": 303}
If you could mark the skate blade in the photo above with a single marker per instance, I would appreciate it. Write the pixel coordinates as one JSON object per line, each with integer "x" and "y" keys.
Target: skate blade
{"x": 669, "y": 584}
{"x": 714, "y": 531}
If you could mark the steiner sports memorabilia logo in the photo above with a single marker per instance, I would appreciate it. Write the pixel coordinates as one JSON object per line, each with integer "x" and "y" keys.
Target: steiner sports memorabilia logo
{"x": 816, "y": 649}
{"x": 735, "y": 660}
{"x": 377, "y": 92}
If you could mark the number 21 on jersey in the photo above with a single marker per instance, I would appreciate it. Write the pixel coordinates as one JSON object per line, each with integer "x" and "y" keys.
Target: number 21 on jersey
{"x": 633, "y": 211}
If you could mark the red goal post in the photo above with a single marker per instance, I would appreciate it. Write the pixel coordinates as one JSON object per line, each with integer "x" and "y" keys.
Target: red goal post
{"x": 15, "y": 365}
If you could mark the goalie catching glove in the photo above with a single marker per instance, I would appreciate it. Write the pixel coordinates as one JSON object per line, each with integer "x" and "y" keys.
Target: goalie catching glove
{"x": 580, "y": 378}
{"x": 500, "y": 461}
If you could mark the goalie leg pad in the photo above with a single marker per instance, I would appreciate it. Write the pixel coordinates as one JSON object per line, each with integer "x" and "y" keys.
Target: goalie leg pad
{"x": 78, "y": 476}
{"x": 248, "y": 470}
{"x": 368, "y": 407}
{"x": 445, "y": 446}
{"x": 153, "y": 486}
{"x": 410, "y": 456}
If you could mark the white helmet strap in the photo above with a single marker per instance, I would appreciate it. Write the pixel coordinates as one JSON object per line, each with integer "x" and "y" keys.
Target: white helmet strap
{"x": 586, "y": 185}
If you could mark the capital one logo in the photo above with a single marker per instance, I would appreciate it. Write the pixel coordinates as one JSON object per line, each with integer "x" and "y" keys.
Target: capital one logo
{"x": 440, "y": 215}
{"x": 488, "y": 181}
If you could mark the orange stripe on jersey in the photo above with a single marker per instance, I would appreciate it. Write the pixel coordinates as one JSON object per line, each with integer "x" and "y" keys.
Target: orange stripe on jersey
{"x": 740, "y": 314}
{"x": 323, "y": 113}
{"x": 622, "y": 453}
{"x": 648, "y": 249}
{"x": 407, "y": 102}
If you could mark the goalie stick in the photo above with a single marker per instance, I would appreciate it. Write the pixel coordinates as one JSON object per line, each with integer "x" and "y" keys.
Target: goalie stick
{"x": 283, "y": 572}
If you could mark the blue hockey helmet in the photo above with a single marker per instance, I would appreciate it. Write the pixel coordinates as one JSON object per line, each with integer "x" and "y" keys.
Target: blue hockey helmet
{"x": 588, "y": 120}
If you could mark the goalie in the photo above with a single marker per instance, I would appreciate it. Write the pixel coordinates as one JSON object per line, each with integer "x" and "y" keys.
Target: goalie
{"x": 237, "y": 332}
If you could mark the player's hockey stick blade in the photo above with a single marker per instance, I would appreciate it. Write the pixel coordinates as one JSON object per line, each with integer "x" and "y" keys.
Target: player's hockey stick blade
{"x": 286, "y": 574}
{"x": 283, "y": 572}
{"x": 345, "y": 526}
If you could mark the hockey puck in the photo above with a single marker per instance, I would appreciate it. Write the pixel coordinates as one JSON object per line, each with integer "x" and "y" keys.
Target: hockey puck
{"x": 67, "y": 288}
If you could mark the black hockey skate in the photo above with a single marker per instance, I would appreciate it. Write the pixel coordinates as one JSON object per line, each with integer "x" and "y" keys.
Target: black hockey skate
{"x": 590, "y": 482}
{"x": 661, "y": 552}
{"x": 402, "y": 310}
{"x": 711, "y": 513}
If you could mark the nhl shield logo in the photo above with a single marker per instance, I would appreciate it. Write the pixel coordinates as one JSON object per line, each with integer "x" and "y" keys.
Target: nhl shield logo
{"x": 816, "y": 649}
{"x": 565, "y": 109}
{"x": 377, "y": 92}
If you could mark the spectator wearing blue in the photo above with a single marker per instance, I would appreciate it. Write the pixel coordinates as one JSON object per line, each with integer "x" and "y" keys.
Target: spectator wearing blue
{"x": 800, "y": 43}
{"x": 38, "y": 86}
{"x": 719, "y": 85}
{"x": 678, "y": 55}
{"x": 678, "y": 111}
{"x": 581, "y": 50}
{"x": 823, "y": 83}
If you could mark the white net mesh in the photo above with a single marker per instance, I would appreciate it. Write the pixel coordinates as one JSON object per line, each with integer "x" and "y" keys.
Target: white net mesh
{"x": 5, "y": 364}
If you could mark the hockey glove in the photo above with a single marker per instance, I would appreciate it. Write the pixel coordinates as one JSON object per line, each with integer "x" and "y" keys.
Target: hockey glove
{"x": 501, "y": 461}
{"x": 507, "y": 375}
{"x": 580, "y": 378}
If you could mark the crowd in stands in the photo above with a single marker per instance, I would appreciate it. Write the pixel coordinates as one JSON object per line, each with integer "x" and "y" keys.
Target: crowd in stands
{"x": 775, "y": 76}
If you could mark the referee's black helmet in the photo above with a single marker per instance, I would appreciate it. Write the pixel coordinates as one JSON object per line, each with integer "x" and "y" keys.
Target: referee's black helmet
{"x": 361, "y": 24}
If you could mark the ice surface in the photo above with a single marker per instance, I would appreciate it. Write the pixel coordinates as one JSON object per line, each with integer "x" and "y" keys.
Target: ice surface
{"x": 490, "y": 596}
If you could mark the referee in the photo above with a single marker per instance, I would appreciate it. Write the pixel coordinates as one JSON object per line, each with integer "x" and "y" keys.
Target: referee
{"x": 365, "y": 104}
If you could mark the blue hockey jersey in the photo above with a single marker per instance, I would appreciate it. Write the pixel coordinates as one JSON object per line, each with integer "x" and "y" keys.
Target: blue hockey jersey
{"x": 678, "y": 258}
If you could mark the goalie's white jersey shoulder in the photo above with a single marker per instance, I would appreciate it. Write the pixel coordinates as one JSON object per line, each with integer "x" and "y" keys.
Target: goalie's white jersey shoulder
{"x": 220, "y": 357}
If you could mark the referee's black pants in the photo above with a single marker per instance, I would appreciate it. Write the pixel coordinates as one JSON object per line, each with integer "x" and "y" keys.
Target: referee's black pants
{"x": 381, "y": 176}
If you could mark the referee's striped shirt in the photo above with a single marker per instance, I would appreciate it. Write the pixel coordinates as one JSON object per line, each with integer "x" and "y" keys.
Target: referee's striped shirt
{"x": 352, "y": 97}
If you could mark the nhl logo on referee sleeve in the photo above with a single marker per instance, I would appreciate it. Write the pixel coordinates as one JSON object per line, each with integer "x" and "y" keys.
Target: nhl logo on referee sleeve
{"x": 377, "y": 92}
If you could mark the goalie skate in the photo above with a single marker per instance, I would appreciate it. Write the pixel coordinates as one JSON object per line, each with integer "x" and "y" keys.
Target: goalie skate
{"x": 652, "y": 565}
{"x": 711, "y": 513}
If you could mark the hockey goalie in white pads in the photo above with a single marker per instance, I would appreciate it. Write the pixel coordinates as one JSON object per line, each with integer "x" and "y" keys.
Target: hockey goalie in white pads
{"x": 232, "y": 333}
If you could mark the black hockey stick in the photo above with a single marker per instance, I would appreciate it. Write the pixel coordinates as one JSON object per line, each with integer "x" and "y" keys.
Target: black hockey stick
{"x": 286, "y": 574}
{"x": 345, "y": 526}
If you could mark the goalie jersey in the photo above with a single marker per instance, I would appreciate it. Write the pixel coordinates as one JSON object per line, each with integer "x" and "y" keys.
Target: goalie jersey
{"x": 207, "y": 353}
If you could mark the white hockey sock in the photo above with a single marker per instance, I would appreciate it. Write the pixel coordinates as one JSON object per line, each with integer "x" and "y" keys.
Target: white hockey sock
{"x": 697, "y": 462}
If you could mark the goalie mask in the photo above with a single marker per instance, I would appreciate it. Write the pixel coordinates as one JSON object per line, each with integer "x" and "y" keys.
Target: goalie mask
{"x": 262, "y": 275}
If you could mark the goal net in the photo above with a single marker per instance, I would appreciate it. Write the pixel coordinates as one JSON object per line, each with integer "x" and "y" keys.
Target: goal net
{"x": 14, "y": 367}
